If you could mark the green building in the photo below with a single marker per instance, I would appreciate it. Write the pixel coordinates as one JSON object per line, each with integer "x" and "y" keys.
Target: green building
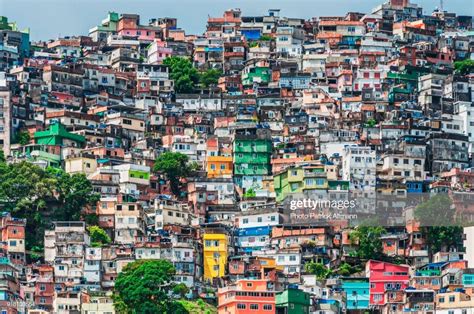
{"x": 252, "y": 155}
{"x": 58, "y": 135}
{"x": 257, "y": 74}
{"x": 292, "y": 301}
{"x": 108, "y": 26}
{"x": 49, "y": 155}
{"x": 299, "y": 179}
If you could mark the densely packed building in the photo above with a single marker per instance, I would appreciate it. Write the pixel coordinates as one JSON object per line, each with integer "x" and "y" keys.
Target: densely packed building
{"x": 367, "y": 109}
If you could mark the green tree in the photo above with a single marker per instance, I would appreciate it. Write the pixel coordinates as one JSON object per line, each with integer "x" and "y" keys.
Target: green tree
{"x": 464, "y": 67}
{"x": 346, "y": 269}
{"x": 369, "y": 242}
{"x": 443, "y": 238}
{"x": 209, "y": 77}
{"x": 181, "y": 290}
{"x": 175, "y": 166}
{"x": 144, "y": 286}
{"x": 371, "y": 123}
{"x": 25, "y": 190}
{"x": 75, "y": 191}
{"x": 23, "y": 138}
{"x": 318, "y": 269}
{"x": 438, "y": 210}
{"x": 98, "y": 236}
{"x": 28, "y": 191}
{"x": 437, "y": 216}
{"x": 183, "y": 73}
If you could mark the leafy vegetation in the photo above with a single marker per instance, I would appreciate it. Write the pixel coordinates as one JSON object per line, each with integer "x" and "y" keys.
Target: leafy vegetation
{"x": 266, "y": 38}
{"x": 186, "y": 77}
{"x": 144, "y": 286}
{"x": 181, "y": 290}
{"x": 318, "y": 269}
{"x": 98, "y": 236}
{"x": 23, "y": 138}
{"x": 42, "y": 196}
{"x": 369, "y": 242}
{"x": 438, "y": 218}
{"x": 183, "y": 73}
{"x": 175, "y": 166}
{"x": 209, "y": 77}
{"x": 346, "y": 269}
{"x": 464, "y": 67}
{"x": 198, "y": 307}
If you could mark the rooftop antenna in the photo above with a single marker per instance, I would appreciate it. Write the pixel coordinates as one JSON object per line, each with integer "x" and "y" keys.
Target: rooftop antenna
{"x": 441, "y": 5}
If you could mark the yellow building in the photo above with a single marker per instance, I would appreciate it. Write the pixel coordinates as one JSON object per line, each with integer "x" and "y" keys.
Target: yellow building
{"x": 214, "y": 254}
{"x": 219, "y": 166}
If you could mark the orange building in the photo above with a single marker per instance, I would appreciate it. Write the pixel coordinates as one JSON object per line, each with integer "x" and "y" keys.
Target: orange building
{"x": 219, "y": 166}
{"x": 13, "y": 237}
{"x": 247, "y": 296}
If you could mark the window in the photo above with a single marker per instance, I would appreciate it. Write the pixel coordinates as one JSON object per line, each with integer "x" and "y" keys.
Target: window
{"x": 254, "y": 306}
{"x": 249, "y": 284}
{"x": 267, "y": 307}
{"x": 241, "y": 306}
{"x": 245, "y": 221}
{"x": 292, "y": 258}
{"x": 378, "y": 297}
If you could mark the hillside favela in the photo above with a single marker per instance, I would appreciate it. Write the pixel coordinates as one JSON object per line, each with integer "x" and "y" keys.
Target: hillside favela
{"x": 266, "y": 164}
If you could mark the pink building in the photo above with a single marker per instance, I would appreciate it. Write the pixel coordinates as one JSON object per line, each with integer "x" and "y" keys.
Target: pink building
{"x": 385, "y": 277}
{"x": 129, "y": 26}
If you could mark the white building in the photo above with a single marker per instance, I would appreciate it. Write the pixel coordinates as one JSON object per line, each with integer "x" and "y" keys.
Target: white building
{"x": 359, "y": 167}
{"x": 5, "y": 115}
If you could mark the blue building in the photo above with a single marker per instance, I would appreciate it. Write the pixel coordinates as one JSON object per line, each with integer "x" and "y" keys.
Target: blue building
{"x": 357, "y": 293}
{"x": 251, "y": 239}
{"x": 295, "y": 80}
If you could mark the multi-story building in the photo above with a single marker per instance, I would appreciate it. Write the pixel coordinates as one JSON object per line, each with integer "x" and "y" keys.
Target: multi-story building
{"x": 386, "y": 281}
{"x": 252, "y": 151}
{"x": 359, "y": 168}
{"x": 65, "y": 248}
{"x": 6, "y": 115}
{"x": 357, "y": 293}
{"x": 246, "y": 296}
{"x": 216, "y": 243}
{"x": 14, "y": 237}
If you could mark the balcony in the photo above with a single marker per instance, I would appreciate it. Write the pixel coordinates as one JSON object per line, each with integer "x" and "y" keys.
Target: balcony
{"x": 395, "y": 296}
{"x": 233, "y": 54}
{"x": 418, "y": 253}
{"x": 312, "y": 174}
